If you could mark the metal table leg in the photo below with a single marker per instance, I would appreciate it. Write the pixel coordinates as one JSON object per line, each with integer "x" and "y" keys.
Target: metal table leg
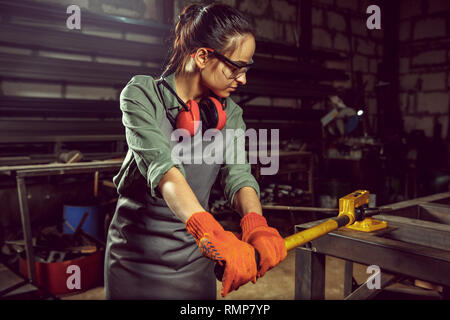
{"x": 26, "y": 227}
{"x": 348, "y": 278}
{"x": 309, "y": 274}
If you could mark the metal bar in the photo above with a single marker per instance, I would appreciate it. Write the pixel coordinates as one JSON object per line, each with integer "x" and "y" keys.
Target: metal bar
{"x": 364, "y": 293}
{"x": 62, "y": 171}
{"x": 55, "y": 128}
{"x": 14, "y": 287}
{"x": 61, "y": 168}
{"x": 81, "y": 43}
{"x": 69, "y": 71}
{"x": 44, "y": 291}
{"x": 309, "y": 274}
{"x": 348, "y": 278}
{"x": 33, "y": 137}
{"x": 52, "y": 13}
{"x": 424, "y": 233}
{"x": 26, "y": 227}
{"x": 12, "y": 106}
{"x": 412, "y": 203}
{"x": 295, "y": 208}
{"x": 435, "y": 212}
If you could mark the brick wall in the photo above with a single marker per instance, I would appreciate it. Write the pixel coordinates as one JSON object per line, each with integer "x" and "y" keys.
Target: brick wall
{"x": 340, "y": 26}
{"x": 424, "y": 65}
{"x": 273, "y": 19}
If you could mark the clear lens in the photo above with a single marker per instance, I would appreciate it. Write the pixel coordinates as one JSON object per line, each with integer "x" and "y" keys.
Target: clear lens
{"x": 236, "y": 73}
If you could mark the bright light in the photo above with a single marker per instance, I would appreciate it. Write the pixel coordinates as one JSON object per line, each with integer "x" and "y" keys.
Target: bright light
{"x": 360, "y": 113}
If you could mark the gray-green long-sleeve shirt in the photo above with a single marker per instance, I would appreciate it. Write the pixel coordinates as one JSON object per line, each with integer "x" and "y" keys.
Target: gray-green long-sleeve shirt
{"x": 149, "y": 150}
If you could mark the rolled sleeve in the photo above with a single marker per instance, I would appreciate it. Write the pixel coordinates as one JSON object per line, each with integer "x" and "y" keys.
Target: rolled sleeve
{"x": 235, "y": 176}
{"x": 149, "y": 146}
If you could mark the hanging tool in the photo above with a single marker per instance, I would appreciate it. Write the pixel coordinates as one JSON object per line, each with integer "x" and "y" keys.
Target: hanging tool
{"x": 354, "y": 213}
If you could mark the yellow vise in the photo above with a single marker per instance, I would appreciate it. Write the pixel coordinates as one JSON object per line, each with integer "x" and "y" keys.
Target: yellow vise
{"x": 352, "y": 206}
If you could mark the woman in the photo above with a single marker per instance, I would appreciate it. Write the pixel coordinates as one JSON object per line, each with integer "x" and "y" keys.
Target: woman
{"x": 162, "y": 242}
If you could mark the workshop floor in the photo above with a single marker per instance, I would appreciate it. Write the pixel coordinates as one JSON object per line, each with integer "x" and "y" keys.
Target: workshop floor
{"x": 277, "y": 284}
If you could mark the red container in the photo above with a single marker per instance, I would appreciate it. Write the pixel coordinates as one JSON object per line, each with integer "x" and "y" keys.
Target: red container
{"x": 54, "y": 276}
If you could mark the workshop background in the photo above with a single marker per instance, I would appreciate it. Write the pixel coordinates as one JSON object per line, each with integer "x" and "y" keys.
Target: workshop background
{"x": 356, "y": 109}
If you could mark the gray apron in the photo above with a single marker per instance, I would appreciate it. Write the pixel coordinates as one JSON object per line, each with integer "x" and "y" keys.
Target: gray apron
{"x": 149, "y": 252}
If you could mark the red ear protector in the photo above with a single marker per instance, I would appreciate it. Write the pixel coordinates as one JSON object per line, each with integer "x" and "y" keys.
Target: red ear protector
{"x": 210, "y": 111}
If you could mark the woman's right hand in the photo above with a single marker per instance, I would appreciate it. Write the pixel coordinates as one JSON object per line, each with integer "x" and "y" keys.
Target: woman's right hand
{"x": 225, "y": 248}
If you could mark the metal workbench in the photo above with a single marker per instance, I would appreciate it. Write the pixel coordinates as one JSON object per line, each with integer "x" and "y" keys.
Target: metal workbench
{"x": 416, "y": 245}
{"x": 21, "y": 172}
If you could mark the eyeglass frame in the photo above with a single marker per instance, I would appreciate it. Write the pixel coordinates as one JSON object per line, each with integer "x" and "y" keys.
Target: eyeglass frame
{"x": 233, "y": 63}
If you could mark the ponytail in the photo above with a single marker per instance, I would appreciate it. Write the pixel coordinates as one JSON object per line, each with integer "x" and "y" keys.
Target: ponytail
{"x": 210, "y": 26}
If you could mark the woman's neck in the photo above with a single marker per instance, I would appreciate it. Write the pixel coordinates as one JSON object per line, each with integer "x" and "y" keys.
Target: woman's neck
{"x": 188, "y": 87}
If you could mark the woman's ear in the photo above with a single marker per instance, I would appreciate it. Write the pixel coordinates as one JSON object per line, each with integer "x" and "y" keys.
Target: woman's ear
{"x": 201, "y": 58}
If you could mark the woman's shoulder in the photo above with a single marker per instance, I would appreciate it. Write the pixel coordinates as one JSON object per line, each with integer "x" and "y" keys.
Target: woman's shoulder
{"x": 142, "y": 89}
{"x": 232, "y": 108}
{"x": 141, "y": 86}
{"x": 144, "y": 82}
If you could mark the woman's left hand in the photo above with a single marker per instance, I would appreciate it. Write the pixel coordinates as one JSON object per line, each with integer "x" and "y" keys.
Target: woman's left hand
{"x": 266, "y": 240}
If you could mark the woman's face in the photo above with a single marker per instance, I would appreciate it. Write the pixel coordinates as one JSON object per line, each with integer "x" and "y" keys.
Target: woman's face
{"x": 217, "y": 74}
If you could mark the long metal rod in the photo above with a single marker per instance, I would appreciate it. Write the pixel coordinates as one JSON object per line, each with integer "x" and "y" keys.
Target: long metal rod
{"x": 300, "y": 238}
{"x": 26, "y": 227}
{"x": 315, "y": 232}
{"x": 295, "y": 208}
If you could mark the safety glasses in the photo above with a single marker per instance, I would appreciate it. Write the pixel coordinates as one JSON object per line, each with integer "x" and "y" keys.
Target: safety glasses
{"x": 237, "y": 68}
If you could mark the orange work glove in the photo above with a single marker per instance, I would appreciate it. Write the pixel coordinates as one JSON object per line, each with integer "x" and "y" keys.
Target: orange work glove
{"x": 223, "y": 246}
{"x": 266, "y": 240}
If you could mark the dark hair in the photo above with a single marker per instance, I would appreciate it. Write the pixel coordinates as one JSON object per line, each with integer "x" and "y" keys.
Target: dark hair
{"x": 210, "y": 26}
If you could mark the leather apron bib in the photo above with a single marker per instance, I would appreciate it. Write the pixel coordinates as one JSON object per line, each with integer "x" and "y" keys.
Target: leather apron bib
{"x": 149, "y": 252}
